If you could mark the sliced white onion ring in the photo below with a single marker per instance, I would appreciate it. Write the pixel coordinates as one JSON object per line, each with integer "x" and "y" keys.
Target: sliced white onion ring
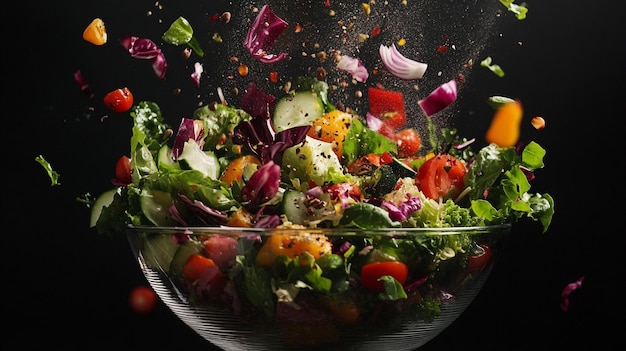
{"x": 399, "y": 65}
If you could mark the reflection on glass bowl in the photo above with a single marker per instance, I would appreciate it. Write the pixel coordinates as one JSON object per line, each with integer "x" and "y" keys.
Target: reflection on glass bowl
{"x": 295, "y": 289}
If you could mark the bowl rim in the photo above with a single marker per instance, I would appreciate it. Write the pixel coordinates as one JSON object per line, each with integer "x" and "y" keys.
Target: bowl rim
{"x": 345, "y": 231}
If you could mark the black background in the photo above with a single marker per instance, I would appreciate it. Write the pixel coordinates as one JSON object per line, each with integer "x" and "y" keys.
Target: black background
{"x": 67, "y": 287}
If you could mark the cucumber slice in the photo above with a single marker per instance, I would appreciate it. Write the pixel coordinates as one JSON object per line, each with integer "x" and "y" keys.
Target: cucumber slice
{"x": 155, "y": 206}
{"x": 293, "y": 206}
{"x": 299, "y": 109}
{"x": 159, "y": 251}
{"x": 192, "y": 157}
{"x": 102, "y": 201}
{"x": 185, "y": 250}
{"x": 165, "y": 160}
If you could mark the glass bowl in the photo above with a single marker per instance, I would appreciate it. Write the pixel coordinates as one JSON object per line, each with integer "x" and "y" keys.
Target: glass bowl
{"x": 298, "y": 289}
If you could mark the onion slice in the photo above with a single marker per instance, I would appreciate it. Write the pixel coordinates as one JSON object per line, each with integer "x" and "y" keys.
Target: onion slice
{"x": 439, "y": 99}
{"x": 399, "y": 65}
{"x": 354, "y": 66}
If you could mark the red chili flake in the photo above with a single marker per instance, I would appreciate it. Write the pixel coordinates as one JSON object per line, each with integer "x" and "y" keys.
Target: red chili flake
{"x": 215, "y": 17}
{"x": 298, "y": 28}
{"x": 461, "y": 77}
{"x": 442, "y": 49}
{"x": 327, "y": 3}
{"x": 375, "y": 31}
{"x": 274, "y": 76}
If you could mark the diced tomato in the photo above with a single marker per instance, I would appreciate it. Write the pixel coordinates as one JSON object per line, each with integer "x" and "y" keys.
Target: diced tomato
{"x": 345, "y": 189}
{"x": 119, "y": 100}
{"x": 222, "y": 250}
{"x": 477, "y": 261}
{"x": 368, "y": 163}
{"x": 387, "y": 105}
{"x": 409, "y": 142}
{"x": 372, "y": 272}
{"x": 195, "y": 266}
{"x": 441, "y": 177}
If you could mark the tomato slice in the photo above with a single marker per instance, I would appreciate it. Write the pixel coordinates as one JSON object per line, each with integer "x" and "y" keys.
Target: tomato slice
{"x": 441, "y": 177}
{"x": 477, "y": 261}
{"x": 388, "y": 106}
{"x": 372, "y": 272}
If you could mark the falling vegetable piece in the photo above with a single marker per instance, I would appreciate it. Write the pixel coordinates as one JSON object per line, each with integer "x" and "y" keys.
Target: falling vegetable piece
{"x": 354, "y": 66}
{"x": 119, "y": 100}
{"x": 399, "y": 65}
{"x": 439, "y": 98}
{"x": 181, "y": 32}
{"x": 263, "y": 33}
{"x": 538, "y": 122}
{"x": 54, "y": 176}
{"x": 504, "y": 130}
{"x": 95, "y": 32}
{"x": 492, "y": 67}
{"x": 146, "y": 49}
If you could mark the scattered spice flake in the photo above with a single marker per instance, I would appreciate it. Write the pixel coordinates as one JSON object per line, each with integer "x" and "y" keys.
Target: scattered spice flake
{"x": 54, "y": 176}
{"x": 327, "y": 3}
{"x": 273, "y": 76}
{"x": 442, "y": 48}
{"x": 366, "y": 8}
{"x": 375, "y": 32}
{"x": 217, "y": 38}
{"x": 297, "y": 29}
{"x": 78, "y": 77}
{"x": 538, "y": 122}
{"x": 567, "y": 290}
{"x": 243, "y": 70}
{"x": 402, "y": 42}
{"x": 214, "y": 17}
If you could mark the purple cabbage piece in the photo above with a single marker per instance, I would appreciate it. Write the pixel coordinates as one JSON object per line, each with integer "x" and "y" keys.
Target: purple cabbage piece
{"x": 263, "y": 33}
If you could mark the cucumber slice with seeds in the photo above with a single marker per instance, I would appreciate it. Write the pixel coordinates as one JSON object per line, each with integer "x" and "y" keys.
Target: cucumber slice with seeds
{"x": 299, "y": 109}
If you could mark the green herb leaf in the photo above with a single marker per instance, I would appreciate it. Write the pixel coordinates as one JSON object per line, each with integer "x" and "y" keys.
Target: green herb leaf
{"x": 54, "y": 176}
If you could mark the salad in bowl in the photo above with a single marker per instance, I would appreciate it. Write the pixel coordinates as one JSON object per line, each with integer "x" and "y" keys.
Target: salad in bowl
{"x": 292, "y": 221}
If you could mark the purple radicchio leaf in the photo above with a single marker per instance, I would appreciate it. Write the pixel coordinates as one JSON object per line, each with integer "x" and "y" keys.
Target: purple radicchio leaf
{"x": 146, "y": 49}
{"x": 188, "y": 129}
{"x": 257, "y": 135}
{"x": 402, "y": 212}
{"x": 262, "y": 186}
{"x": 203, "y": 213}
{"x": 263, "y": 33}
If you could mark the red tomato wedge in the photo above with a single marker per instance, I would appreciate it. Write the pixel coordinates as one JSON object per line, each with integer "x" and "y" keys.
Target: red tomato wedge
{"x": 441, "y": 177}
{"x": 388, "y": 106}
{"x": 372, "y": 272}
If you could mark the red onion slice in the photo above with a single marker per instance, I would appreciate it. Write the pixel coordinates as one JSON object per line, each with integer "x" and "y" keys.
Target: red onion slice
{"x": 439, "y": 99}
{"x": 399, "y": 65}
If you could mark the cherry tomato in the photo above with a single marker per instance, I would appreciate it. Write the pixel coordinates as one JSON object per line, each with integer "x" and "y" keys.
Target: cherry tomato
{"x": 119, "y": 100}
{"x": 371, "y": 273}
{"x": 409, "y": 142}
{"x": 441, "y": 177}
{"x": 344, "y": 190}
{"x": 142, "y": 299}
{"x": 477, "y": 261}
{"x": 387, "y": 105}
{"x": 122, "y": 170}
{"x": 95, "y": 32}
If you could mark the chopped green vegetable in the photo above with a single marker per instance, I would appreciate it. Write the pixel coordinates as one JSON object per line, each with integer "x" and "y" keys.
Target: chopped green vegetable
{"x": 54, "y": 176}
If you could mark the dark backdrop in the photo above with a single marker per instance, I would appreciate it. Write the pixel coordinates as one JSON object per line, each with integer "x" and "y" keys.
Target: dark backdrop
{"x": 67, "y": 287}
